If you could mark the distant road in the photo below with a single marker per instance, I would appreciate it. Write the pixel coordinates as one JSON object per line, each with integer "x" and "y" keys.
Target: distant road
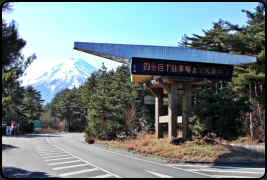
{"x": 65, "y": 155}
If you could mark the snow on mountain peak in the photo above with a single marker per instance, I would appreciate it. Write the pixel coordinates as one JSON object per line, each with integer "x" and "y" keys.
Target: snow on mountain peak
{"x": 65, "y": 74}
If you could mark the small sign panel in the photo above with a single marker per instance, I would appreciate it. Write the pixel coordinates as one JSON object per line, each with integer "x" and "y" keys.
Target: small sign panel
{"x": 146, "y": 66}
{"x": 8, "y": 130}
{"x": 149, "y": 100}
{"x": 37, "y": 124}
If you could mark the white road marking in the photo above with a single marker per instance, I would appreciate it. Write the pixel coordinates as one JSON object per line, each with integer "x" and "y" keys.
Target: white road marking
{"x": 84, "y": 160}
{"x": 45, "y": 148}
{"x": 142, "y": 159}
{"x": 66, "y": 162}
{"x": 48, "y": 151}
{"x": 221, "y": 176}
{"x": 55, "y": 156}
{"x": 220, "y": 167}
{"x": 221, "y": 171}
{"x": 59, "y": 159}
{"x": 52, "y": 154}
{"x": 65, "y": 167}
{"x": 159, "y": 175}
{"x": 77, "y": 172}
{"x": 102, "y": 176}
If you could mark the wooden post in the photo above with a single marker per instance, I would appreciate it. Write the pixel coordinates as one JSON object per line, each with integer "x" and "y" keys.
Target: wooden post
{"x": 172, "y": 111}
{"x": 186, "y": 113}
{"x": 158, "y": 112}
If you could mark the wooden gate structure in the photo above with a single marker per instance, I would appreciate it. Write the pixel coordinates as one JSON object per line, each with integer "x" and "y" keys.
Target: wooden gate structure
{"x": 174, "y": 69}
{"x": 173, "y": 86}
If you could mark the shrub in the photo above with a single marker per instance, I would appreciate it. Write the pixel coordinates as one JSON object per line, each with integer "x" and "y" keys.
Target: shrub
{"x": 89, "y": 140}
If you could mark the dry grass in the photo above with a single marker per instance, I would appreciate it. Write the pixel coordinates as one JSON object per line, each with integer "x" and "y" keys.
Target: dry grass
{"x": 196, "y": 150}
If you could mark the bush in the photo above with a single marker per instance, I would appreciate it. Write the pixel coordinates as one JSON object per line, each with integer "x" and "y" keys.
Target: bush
{"x": 219, "y": 114}
{"x": 89, "y": 140}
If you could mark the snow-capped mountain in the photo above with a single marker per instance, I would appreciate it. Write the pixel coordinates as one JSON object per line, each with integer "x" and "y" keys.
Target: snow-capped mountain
{"x": 66, "y": 74}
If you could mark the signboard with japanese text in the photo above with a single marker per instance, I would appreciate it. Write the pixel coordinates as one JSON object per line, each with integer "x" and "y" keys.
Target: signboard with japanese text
{"x": 146, "y": 66}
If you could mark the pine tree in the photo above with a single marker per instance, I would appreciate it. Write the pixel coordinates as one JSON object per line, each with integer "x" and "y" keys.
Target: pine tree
{"x": 99, "y": 113}
{"x": 13, "y": 67}
{"x": 246, "y": 40}
{"x": 32, "y": 104}
{"x": 220, "y": 114}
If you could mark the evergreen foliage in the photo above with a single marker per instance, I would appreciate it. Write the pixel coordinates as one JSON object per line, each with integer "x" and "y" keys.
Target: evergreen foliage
{"x": 247, "y": 40}
{"x": 220, "y": 114}
{"x": 105, "y": 105}
{"x": 19, "y": 104}
{"x": 32, "y": 104}
{"x": 110, "y": 100}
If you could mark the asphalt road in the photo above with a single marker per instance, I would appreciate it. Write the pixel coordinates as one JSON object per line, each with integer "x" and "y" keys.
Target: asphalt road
{"x": 66, "y": 155}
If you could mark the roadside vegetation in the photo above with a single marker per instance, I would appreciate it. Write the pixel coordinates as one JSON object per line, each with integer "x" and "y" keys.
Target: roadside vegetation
{"x": 196, "y": 150}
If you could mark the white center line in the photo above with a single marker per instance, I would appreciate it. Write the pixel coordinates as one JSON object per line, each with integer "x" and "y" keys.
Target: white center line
{"x": 65, "y": 167}
{"x": 59, "y": 159}
{"x": 77, "y": 172}
{"x": 66, "y": 162}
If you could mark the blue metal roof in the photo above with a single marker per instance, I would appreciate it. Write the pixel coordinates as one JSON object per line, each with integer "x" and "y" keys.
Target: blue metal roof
{"x": 124, "y": 52}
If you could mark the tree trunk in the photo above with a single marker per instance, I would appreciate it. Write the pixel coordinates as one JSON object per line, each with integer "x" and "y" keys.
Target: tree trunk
{"x": 259, "y": 105}
{"x": 251, "y": 124}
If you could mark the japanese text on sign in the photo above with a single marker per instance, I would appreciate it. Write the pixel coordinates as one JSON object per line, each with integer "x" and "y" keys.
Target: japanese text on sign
{"x": 180, "y": 68}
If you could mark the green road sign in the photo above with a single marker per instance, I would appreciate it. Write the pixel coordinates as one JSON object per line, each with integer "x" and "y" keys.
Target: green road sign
{"x": 37, "y": 124}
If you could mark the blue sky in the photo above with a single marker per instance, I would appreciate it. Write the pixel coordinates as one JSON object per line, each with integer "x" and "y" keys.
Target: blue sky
{"x": 51, "y": 29}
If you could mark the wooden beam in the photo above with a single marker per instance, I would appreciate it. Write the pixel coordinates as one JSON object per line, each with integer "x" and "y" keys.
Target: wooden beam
{"x": 166, "y": 87}
{"x": 172, "y": 112}
{"x": 153, "y": 91}
{"x": 180, "y": 92}
{"x": 158, "y": 113}
{"x": 165, "y": 119}
{"x": 168, "y": 81}
{"x": 169, "y": 78}
{"x": 141, "y": 78}
{"x": 164, "y": 82}
{"x": 197, "y": 83}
